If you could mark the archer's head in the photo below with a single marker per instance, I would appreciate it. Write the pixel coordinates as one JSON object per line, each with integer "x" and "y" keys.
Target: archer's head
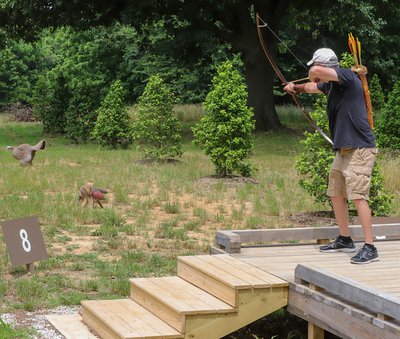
{"x": 324, "y": 57}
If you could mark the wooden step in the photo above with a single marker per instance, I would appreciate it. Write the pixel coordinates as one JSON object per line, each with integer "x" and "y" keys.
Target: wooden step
{"x": 223, "y": 276}
{"x": 173, "y": 299}
{"x": 124, "y": 318}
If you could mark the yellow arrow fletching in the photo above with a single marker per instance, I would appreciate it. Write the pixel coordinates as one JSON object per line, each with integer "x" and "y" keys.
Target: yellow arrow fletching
{"x": 355, "y": 48}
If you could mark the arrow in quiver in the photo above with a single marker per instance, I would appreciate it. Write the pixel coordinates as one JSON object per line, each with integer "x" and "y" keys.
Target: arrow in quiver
{"x": 361, "y": 71}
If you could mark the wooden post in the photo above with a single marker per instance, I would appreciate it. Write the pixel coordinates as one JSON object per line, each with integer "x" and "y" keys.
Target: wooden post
{"x": 30, "y": 268}
{"x": 315, "y": 332}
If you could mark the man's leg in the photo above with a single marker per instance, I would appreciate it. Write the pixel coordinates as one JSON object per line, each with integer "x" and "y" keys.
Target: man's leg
{"x": 368, "y": 253}
{"x": 343, "y": 242}
{"x": 341, "y": 211}
{"x": 364, "y": 214}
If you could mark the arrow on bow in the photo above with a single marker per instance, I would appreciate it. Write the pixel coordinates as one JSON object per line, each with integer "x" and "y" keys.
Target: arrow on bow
{"x": 284, "y": 81}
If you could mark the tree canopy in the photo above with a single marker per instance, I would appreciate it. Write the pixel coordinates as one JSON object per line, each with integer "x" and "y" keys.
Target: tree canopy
{"x": 195, "y": 27}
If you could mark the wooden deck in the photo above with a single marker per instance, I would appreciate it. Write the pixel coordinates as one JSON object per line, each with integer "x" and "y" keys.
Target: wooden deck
{"x": 282, "y": 261}
{"x": 351, "y": 301}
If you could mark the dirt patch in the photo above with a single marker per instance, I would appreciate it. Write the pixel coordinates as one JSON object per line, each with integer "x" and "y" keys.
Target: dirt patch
{"x": 325, "y": 218}
{"x": 20, "y": 112}
{"x": 152, "y": 162}
{"x": 230, "y": 181}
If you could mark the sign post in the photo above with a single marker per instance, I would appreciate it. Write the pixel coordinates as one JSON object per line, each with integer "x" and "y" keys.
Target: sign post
{"x": 24, "y": 241}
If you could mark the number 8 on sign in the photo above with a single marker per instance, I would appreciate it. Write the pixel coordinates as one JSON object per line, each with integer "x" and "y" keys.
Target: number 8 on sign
{"x": 24, "y": 241}
{"x": 26, "y": 245}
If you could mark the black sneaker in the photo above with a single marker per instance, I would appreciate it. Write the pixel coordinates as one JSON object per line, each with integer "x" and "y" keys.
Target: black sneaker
{"x": 338, "y": 245}
{"x": 365, "y": 255}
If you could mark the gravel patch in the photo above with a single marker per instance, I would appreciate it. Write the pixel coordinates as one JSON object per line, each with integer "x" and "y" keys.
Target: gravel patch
{"x": 38, "y": 321}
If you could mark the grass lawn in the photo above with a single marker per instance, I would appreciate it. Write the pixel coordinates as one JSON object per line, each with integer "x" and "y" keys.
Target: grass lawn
{"x": 153, "y": 213}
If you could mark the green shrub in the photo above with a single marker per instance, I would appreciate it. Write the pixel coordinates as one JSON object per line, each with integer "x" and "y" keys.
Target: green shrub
{"x": 316, "y": 157}
{"x": 156, "y": 129}
{"x": 377, "y": 95}
{"x": 81, "y": 112}
{"x": 388, "y": 122}
{"x": 225, "y": 131}
{"x": 112, "y": 128}
{"x": 381, "y": 201}
{"x": 51, "y": 97}
{"x": 18, "y": 72}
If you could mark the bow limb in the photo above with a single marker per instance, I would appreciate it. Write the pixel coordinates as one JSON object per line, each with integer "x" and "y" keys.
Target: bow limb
{"x": 285, "y": 82}
{"x": 268, "y": 54}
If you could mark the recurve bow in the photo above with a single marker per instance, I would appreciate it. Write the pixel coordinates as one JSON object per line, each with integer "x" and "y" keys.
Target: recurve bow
{"x": 285, "y": 82}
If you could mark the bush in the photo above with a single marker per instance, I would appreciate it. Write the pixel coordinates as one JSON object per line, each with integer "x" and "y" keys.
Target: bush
{"x": 316, "y": 157}
{"x": 51, "y": 98}
{"x": 112, "y": 128}
{"x": 225, "y": 131}
{"x": 381, "y": 201}
{"x": 18, "y": 72}
{"x": 81, "y": 112}
{"x": 388, "y": 122}
{"x": 157, "y": 131}
{"x": 377, "y": 95}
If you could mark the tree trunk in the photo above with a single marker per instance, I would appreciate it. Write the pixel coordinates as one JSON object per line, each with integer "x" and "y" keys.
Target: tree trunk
{"x": 260, "y": 81}
{"x": 260, "y": 75}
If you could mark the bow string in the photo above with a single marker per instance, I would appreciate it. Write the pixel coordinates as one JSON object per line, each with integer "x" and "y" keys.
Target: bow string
{"x": 282, "y": 77}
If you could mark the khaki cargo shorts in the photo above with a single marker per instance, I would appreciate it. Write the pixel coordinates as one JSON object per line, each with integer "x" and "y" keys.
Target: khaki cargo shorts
{"x": 350, "y": 174}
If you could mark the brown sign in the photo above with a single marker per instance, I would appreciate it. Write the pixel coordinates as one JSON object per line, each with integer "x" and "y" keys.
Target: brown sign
{"x": 24, "y": 240}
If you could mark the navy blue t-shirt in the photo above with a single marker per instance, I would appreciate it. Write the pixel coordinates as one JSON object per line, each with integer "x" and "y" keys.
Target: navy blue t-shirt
{"x": 347, "y": 113}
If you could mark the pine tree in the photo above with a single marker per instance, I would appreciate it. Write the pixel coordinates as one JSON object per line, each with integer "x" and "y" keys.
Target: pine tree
{"x": 225, "y": 132}
{"x": 156, "y": 129}
{"x": 113, "y": 126}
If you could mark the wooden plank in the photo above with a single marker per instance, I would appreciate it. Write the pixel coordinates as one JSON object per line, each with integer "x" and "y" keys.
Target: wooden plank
{"x": 97, "y": 325}
{"x": 125, "y": 319}
{"x": 288, "y": 250}
{"x": 181, "y": 296}
{"x": 261, "y": 274}
{"x": 208, "y": 283}
{"x": 70, "y": 326}
{"x": 253, "y": 305}
{"x": 232, "y": 240}
{"x": 315, "y": 332}
{"x": 171, "y": 316}
{"x": 145, "y": 322}
{"x": 350, "y": 290}
{"x": 223, "y": 269}
{"x": 224, "y": 266}
{"x": 310, "y": 233}
{"x": 337, "y": 317}
{"x": 198, "y": 299}
{"x": 379, "y": 220}
{"x": 215, "y": 272}
{"x": 228, "y": 242}
{"x": 105, "y": 322}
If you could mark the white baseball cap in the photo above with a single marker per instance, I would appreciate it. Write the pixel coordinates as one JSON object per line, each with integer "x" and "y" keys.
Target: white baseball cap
{"x": 325, "y": 57}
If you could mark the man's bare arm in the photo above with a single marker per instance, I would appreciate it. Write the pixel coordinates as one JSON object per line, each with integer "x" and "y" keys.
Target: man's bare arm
{"x": 308, "y": 87}
{"x": 324, "y": 74}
